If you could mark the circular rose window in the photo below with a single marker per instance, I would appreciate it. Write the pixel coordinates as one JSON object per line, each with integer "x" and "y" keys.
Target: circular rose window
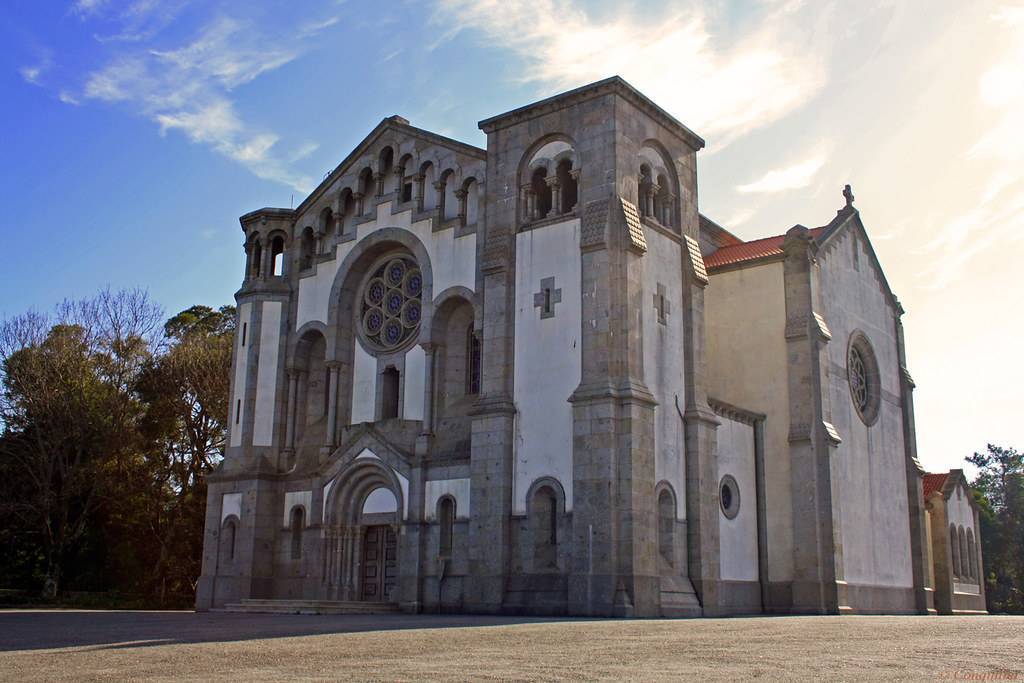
{"x": 862, "y": 374}
{"x": 391, "y": 304}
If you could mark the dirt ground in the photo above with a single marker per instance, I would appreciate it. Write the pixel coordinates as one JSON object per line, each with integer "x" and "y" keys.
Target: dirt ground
{"x": 82, "y": 645}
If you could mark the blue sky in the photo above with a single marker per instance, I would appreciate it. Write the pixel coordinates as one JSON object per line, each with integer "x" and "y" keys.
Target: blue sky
{"x": 135, "y": 132}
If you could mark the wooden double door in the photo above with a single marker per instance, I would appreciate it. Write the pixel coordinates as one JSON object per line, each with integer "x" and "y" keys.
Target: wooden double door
{"x": 380, "y": 563}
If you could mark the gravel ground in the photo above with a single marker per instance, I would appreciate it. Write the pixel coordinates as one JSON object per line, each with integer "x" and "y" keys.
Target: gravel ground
{"x": 55, "y": 645}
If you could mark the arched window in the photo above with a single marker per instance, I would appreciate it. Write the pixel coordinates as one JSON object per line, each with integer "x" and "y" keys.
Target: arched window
{"x": 567, "y": 186}
{"x": 472, "y": 201}
{"x": 298, "y": 526}
{"x": 666, "y": 526}
{"x": 544, "y": 525}
{"x": 406, "y": 173}
{"x": 366, "y": 191}
{"x": 347, "y": 207}
{"x": 645, "y": 197}
{"x": 541, "y": 194}
{"x": 389, "y": 383}
{"x": 426, "y": 197}
{"x": 326, "y": 221}
{"x": 972, "y": 555}
{"x": 256, "y": 258}
{"x": 663, "y": 201}
{"x": 227, "y": 539}
{"x": 965, "y": 570}
{"x": 472, "y": 361}
{"x": 308, "y": 249}
{"x": 277, "y": 255}
{"x": 387, "y": 172}
{"x": 446, "y": 518}
{"x": 954, "y": 547}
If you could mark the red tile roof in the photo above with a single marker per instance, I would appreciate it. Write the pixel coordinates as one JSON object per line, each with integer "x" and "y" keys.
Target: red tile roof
{"x": 749, "y": 251}
{"x": 934, "y": 482}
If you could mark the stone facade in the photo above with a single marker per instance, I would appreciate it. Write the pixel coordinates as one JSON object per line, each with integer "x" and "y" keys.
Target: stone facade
{"x": 534, "y": 379}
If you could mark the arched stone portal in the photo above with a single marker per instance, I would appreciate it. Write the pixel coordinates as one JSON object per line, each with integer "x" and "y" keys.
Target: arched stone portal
{"x": 361, "y": 534}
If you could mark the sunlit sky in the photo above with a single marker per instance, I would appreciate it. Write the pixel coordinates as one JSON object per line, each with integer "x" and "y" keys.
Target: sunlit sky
{"x": 134, "y": 134}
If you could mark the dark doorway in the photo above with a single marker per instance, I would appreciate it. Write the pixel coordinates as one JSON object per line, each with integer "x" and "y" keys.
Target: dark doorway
{"x": 380, "y": 563}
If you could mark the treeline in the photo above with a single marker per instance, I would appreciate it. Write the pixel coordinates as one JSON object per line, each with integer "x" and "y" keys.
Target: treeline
{"x": 999, "y": 491}
{"x": 111, "y": 418}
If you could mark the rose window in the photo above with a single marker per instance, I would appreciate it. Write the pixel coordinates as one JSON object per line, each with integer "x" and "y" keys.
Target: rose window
{"x": 392, "y": 304}
{"x": 858, "y": 379}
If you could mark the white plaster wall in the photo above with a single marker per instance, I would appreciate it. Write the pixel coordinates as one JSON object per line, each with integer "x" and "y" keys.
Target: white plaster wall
{"x": 547, "y": 358}
{"x": 663, "y": 360}
{"x": 738, "y": 535}
{"x": 869, "y": 466}
{"x": 241, "y": 364}
{"x": 293, "y": 498}
{"x": 315, "y": 290}
{"x": 266, "y": 375}
{"x": 364, "y": 386}
{"x": 456, "y": 488}
{"x": 231, "y": 504}
{"x": 745, "y": 311}
{"x": 415, "y": 381}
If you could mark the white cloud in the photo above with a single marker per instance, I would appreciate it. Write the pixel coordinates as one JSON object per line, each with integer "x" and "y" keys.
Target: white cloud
{"x": 722, "y": 88}
{"x": 794, "y": 177}
{"x": 31, "y": 74}
{"x": 315, "y": 27}
{"x": 84, "y": 8}
{"x": 187, "y": 89}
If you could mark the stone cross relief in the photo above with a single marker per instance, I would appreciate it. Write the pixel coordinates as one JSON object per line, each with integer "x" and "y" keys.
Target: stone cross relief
{"x": 547, "y": 297}
{"x": 662, "y": 305}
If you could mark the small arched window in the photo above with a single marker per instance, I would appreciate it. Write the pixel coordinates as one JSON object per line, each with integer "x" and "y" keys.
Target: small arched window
{"x": 567, "y": 186}
{"x": 387, "y": 171}
{"x": 227, "y": 539}
{"x": 666, "y": 526}
{"x": 472, "y": 361}
{"x": 446, "y": 519}
{"x": 544, "y": 525}
{"x": 972, "y": 555}
{"x": 541, "y": 194}
{"x": 389, "y": 384}
{"x": 663, "y": 201}
{"x": 308, "y": 251}
{"x": 298, "y": 526}
{"x": 965, "y": 566}
{"x": 277, "y": 255}
{"x": 645, "y": 185}
{"x": 954, "y": 547}
{"x": 256, "y": 258}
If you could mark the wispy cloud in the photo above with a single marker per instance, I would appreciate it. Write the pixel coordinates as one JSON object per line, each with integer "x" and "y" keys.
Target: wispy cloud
{"x": 84, "y": 8}
{"x": 33, "y": 73}
{"x": 721, "y": 88}
{"x": 315, "y": 27}
{"x": 793, "y": 177}
{"x": 998, "y": 215}
{"x": 188, "y": 89}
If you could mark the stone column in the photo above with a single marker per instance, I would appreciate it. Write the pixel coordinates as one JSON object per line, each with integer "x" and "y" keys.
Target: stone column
{"x": 461, "y": 195}
{"x": 575, "y": 175}
{"x": 439, "y": 188}
{"x": 293, "y": 393}
{"x": 359, "y": 198}
{"x": 420, "y": 188}
{"x": 428, "y": 389}
{"x": 332, "y": 404}
{"x": 399, "y": 183}
{"x": 379, "y": 179}
{"x": 556, "y": 195}
{"x": 266, "y": 263}
{"x": 817, "y": 558}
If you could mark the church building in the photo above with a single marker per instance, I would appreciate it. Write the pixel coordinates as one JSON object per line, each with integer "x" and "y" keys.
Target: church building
{"x": 534, "y": 379}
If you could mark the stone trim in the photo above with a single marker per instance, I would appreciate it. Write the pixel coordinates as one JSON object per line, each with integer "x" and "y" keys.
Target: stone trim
{"x": 734, "y": 413}
{"x": 700, "y": 271}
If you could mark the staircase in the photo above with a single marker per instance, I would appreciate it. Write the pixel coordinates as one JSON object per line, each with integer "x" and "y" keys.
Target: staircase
{"x": 257, "y": 606}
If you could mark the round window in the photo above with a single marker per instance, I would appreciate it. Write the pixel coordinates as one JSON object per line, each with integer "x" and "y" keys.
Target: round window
{"x": 862, "y": 374}
{"x": 729, "y": 496}
{"x": 391, "y": 304}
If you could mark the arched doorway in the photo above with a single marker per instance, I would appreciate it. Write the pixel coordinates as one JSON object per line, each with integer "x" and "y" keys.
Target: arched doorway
{"x": 361, "y": 562}
{"x": 379, "y": 556}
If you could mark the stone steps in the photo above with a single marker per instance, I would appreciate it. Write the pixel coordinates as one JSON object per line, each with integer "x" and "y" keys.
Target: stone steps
{"x": 260, "y": 606}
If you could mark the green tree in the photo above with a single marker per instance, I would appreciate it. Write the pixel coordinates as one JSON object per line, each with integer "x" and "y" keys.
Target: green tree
{"x": 186, "y": 394}
{"x": 68, "y": 412}
{"x": 999, "y": 489}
